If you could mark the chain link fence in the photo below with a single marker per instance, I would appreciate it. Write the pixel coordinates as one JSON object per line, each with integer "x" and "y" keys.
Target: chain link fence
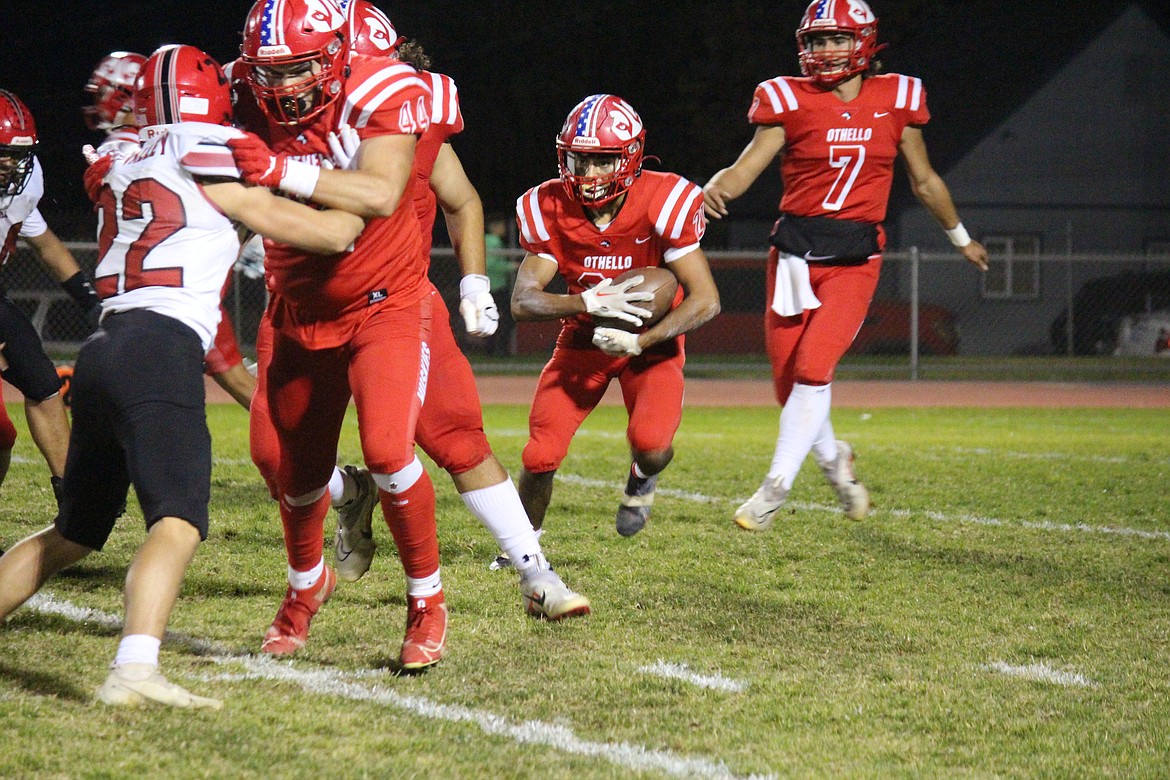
{"x": 926, "y": 304}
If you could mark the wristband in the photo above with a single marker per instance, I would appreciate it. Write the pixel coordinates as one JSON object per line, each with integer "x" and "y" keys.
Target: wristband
{"x": 81, "y": 291}
{"x": 959, "y": 235}
{"x": 300, "y": 179}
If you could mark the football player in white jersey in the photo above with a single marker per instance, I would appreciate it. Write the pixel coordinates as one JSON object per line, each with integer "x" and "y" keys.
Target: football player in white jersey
{"x": 111, "y": 110}
{"x": 170, "y": 216}
{"x": 22, "y": 358}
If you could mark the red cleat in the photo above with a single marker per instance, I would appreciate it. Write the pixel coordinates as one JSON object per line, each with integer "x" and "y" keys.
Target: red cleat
{"x": 426, "y": 631}
{"x": 290, "y": 629}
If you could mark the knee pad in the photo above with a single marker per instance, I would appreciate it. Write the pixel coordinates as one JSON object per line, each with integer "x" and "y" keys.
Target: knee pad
{"x": 402, "y": 480}
{"x": 306, "y": 499}
{"x": 458, "y": 451}
{"x": 7, "y": 431}
{"x": 538, "y": 458}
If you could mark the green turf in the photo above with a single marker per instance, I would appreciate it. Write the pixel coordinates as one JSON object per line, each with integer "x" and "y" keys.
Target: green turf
{"x": 1001, "y": 540}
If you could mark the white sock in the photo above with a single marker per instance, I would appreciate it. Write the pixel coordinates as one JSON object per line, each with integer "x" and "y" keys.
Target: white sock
{"x": 800, "y": 423}
{"x": 825, "y": 447}
{"x": 427, "y": 586}
{"x": 299, "y": 580}
{"x": 498, "y": 507}
{"x": 138, "y": 649}
{"x": 341, "y": 490}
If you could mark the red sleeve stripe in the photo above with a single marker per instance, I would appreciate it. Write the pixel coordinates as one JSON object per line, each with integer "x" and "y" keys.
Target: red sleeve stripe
{"x": 390, "y": 81}
{"x": 683, "y": 191}
{"x": 210, "y": 160}
{"x": 532, "y": 226}
{"x": 445, "y": 101}
{"x": 780, "y": 94}
{"x": 911, "y": 85}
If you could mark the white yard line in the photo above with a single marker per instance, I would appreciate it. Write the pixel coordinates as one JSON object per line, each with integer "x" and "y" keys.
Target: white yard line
{"x": 1042, "y": 673}
{"x": 349, "y": 685}
{"x": 1039, "y": 525}
{"x": 682, "y": 672}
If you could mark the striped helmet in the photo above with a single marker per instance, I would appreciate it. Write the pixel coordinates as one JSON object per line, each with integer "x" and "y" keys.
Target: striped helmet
{"x": 295, "y": 51}
{"x": 848, "y": 17}
{"x": 180, "y": 83}
{"x": 18, "y": 144}
{"x": 601, "y": 125}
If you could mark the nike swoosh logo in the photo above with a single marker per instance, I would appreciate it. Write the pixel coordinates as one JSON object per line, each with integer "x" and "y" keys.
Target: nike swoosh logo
{"x": 814, "y": 258}
{"x": 880, "y": 114}
{"x": 641, "y": 240}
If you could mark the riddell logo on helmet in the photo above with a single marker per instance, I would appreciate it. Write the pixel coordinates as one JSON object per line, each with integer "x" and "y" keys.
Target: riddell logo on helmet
{"x": 586, "y": 140}
{"x": 22, "y": 140}
{"x": 274, "y": 51}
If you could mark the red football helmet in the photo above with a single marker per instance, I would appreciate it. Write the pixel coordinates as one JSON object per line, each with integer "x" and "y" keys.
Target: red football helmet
{"x": 18, "y": 144}
{"x": 111, "y": 89}
{"x": 851, "y": 17}
{"x": 369, "y": 30}
{"x": 181, "y": 84}
{"x": 281, "y": 35}
{"x": 600, "y": 125}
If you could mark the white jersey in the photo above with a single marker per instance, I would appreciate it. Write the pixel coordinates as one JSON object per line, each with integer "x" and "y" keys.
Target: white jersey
{"x": 19, "y": 216}
{"x": 162, "y": 244}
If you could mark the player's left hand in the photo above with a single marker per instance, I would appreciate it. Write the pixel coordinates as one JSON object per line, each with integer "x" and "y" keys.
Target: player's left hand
{"x": 262, "y": 167}
{"x": 477, "y": 306}
{"x": 976, "y": 255}
{"x": 616, "y": 342}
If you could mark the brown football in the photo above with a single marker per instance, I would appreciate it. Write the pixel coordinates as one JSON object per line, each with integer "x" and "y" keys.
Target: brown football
{"x": 656, "y": 279}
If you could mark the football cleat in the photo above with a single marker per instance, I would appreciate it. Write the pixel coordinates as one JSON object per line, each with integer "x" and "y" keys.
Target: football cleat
{"x": 853, "y": 495}
{"x": 636, "y": 502}
{"x": 132, "y": 685}
{"x": 353, "y": 546}
{"x": 290, "y": 628}
{"x": 547, "y": 596}
{"x": 426, "y": 631}
{"x": 757, "y": 513}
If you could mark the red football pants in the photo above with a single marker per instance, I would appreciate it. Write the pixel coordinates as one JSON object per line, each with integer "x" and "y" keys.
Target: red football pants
{"x": 806, "y": 348}
{"x": 573, "y": 383}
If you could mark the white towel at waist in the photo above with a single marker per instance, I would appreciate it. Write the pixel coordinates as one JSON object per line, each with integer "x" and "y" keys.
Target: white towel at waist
{"x": 793, "y": 293}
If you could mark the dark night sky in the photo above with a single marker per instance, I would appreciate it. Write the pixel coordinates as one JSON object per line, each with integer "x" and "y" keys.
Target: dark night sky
{"x": 689, "y": 67}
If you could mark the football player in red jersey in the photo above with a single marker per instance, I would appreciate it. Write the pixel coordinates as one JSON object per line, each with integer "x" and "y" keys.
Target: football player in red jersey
{"x": 138, "y": 395}
{"x": 838, "y": 128}
{"x": 23, "y": 362}
{"x": 605, "y": 216}
{"x": 450, "y": 424}
{"x": 111, "y": 111}
{"x": 357, "y": 323}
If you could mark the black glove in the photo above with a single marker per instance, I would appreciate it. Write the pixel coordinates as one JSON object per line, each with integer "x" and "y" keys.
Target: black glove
{"x": 81, "y": 291}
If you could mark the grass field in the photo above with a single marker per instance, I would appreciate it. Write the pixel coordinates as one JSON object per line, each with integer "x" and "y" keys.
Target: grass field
{"x": 1005, "y": 612}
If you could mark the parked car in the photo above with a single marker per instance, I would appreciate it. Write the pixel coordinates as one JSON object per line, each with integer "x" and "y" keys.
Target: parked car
{"x": 886, "y": 330}
{"x": 1145, "y": 334}
{"x": 1099, "y": 306}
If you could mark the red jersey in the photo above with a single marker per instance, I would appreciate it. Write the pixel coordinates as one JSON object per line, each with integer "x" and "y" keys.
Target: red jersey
{"x": 321, "y": 299}
{"x": 446, "y": 121}
{"x": 661, "y": 220}
{"x": 838, "y": 158}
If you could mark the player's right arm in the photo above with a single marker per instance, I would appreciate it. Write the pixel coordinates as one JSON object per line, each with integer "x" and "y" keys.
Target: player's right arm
{"x": 731, "y": 182}
{"x": 288, "y": 222}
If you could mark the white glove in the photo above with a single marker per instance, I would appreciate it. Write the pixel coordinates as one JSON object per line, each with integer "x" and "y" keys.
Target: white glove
{"x": 616, "y": 342}
{"x": 344, "y": 148}
{"x": 477, "y": 306}
{"x": 607, "y": 299}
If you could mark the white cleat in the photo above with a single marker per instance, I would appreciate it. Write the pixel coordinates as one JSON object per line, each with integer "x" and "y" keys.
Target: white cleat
{"x": 353, "y": 546}
{"x": 546, "y": 596}
{"x": 132, "y": 685}
{"x": 853, "y": 495}
{"x": 757, "y": 513}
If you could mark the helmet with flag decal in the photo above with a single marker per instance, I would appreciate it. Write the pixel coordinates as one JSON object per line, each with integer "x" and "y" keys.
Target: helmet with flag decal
{"x": 295, "y": 51}
{"x": 600, "y": 128}
{"x": 853, "y": 18}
